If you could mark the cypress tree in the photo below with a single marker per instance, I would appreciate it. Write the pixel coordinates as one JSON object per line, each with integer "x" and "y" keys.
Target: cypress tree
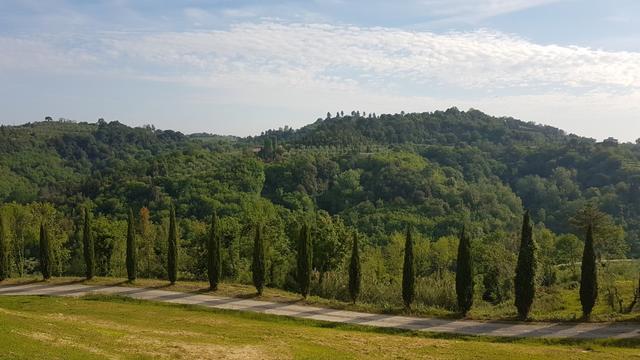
{"x": 304, "y": 260}
{"x": 45, "y": 253}
{"x": 589, "y": 276}
{"x": 525, "y": 283}
{"x": 408, "y": 272}
{"x": 214, "y": 254}
{"x": 258, "y": 267}
{"x": 464, "y": 274}
{"x": 4, "y": 258}
{"x": 354, "y": 270}
{"x": 172, "y": 256}
{"x": 87, "y": 244}
{"x": 131, "y": 248}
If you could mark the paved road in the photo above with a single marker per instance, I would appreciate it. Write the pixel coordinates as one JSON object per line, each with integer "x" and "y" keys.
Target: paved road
{"x": 467, "y": 327}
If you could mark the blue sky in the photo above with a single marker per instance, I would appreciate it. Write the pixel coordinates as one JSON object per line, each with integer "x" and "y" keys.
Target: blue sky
{"x": 239, "y": 67}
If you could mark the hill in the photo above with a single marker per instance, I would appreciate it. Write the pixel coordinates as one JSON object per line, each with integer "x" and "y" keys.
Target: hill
{"x": 374, "y": 174}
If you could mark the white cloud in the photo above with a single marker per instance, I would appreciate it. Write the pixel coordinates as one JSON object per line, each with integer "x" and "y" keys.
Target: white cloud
{"x": 312, "y": 68}
{"x": 478, "y": 61}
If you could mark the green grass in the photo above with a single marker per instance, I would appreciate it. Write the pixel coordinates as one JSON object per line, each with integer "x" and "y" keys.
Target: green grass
{"x": 98, "y": 327}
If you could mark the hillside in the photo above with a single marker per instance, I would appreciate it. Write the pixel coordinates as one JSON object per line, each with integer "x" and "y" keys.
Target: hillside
{"x": 374, "y": 174}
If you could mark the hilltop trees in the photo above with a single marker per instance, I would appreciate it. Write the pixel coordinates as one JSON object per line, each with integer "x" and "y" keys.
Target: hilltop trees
{"x": 131, "y": 248}
{"x": 589, "y": 276}
{"x": 525, "y": 280}
{"x": 464, "y": 274}
{"x": 355, "y": 275}
{"x": 258, "y": 266}
{"x": 87, "y": 245}
{"x": 305, "y": 258}
{"x": 408, "y": 272}
{"x": 172, "y": 248}
{"x": 4, "y": 252}
{"x": 214, "y": 254}
{"x": 45, "y": 252}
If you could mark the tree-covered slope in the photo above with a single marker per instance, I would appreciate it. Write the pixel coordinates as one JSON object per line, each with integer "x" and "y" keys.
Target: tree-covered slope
{"x": 435, "y": 170}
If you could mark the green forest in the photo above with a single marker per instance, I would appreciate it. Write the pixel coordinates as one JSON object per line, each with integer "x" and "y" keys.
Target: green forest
{"x": 346, "y": 184}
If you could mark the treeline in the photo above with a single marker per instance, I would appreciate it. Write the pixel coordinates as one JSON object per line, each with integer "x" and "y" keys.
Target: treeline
{"x": 525, "y": 281}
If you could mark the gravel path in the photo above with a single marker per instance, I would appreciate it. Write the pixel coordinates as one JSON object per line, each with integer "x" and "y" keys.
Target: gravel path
{"x": 466, "y": 327}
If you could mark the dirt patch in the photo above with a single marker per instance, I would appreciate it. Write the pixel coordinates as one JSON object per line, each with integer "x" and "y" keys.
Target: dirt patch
{"x": 185, "y": 350}
{"x": 54, "y": 340}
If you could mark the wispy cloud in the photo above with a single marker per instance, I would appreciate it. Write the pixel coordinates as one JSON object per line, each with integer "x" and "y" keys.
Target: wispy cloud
{"x": 479, "y": 60}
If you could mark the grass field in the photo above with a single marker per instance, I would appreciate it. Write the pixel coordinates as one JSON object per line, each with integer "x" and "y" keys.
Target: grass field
{"x": 555, "y": 304}
{"x": 113, "y": 327}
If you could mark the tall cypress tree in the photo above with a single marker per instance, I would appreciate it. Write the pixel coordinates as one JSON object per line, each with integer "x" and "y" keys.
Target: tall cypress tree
{"x": 4, "y": 255}
{"x": 258, "y": 267}
{"x": 45, "y": 253}
{"x": 355, "y": 274}
{"x": 464, "y": 274}
{"x": 304, "y": 260}
{"x": 408, "y": 272}
{"x": 214, "y": 254}
{"x": 131, "y": 248}
{"x": 589, "y": 276}
{"x": 172, "y": 256}
{"x": 87, "y": 245}
{"x": 525, "y": 283}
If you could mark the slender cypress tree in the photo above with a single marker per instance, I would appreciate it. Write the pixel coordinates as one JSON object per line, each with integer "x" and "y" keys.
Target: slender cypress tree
{"x": 45, "y": 253}
{"x": 304, "y": 260}
{"x": 258, "y": 267}
{"x": 214, "y": 254}
{"x": 525, "y": 283}
{"x": 4, "y": 258}
{"x": 464, "y": 274}
{"x": 355, "y": 274}
{"x": 172, "y": 258}
{"x": 408, "y": 272}
{"x": 589, "y": 276}
{"x": 87, "y": 244}
{"x": 131, "y": 248}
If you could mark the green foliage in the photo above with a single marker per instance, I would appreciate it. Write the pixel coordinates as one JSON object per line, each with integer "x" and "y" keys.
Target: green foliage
{"x": 214, "y": 253}
{"x": 258, "y": 267}
{"x": 88, "y": 246}
{"x": 433, "y": 171}
{"x": 589, "y": 275}
{"x": 408, "y": 272}
{"x": 132, "y": 248}
{"x": 305, "y": 258}
{"x": 355, "y": 271}
{"x": 4, "y": 251}
{"x": 525, "y": 279}
{"x": 45, "y": 253}
{"x": 464, "y": 274}
{"x": 172, "y": 248}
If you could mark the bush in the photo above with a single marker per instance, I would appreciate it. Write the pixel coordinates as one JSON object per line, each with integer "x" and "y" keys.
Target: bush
{"x": 437, "y": 292}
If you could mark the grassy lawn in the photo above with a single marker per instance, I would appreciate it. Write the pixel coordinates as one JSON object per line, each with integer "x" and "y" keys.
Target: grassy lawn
{"x": 555, "y": 304}
{"x": 113, "y": 327}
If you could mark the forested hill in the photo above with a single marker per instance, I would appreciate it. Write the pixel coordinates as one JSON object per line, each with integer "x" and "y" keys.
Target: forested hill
{"x": 372, "y": 173}
{"x": 450, "y": 127}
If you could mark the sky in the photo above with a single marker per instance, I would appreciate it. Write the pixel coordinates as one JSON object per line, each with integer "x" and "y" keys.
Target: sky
{"x": 240, "y": 67}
